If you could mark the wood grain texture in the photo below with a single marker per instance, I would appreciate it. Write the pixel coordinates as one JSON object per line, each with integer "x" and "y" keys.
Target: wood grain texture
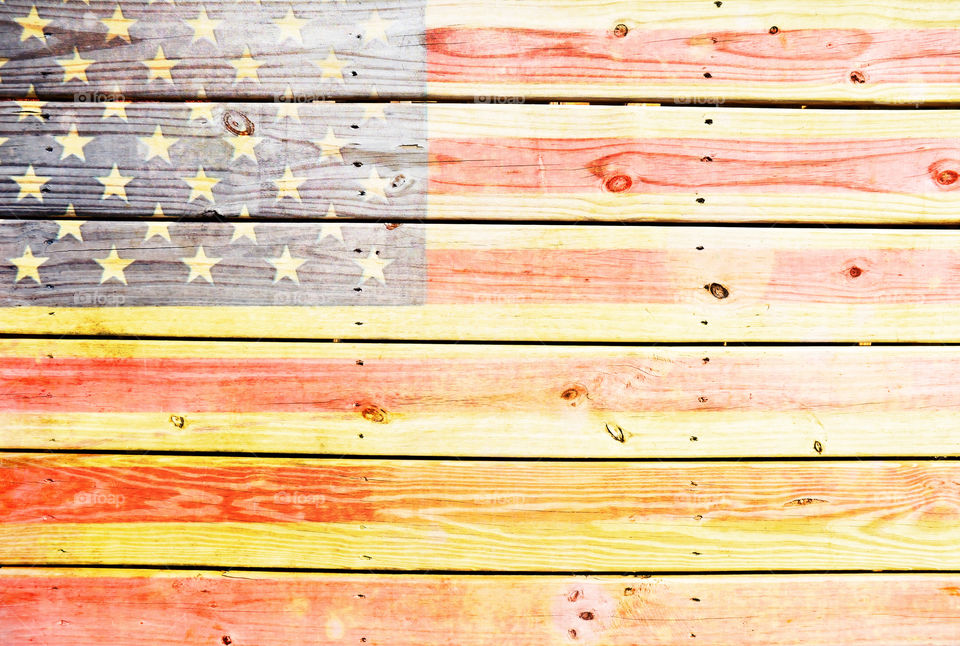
{"x": 77, "y": 607}
{"x": 483, "y": 282}
{"x": 486, "y": 515}
{"x": 410, "y": 162}
{"x": 219, "y": 49}
{"x": 494, "y": 401}
{"x": 681, "y": 50}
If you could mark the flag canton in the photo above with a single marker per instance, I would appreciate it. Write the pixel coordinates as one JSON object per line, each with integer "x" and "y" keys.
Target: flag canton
{"x": 76, "y": 263}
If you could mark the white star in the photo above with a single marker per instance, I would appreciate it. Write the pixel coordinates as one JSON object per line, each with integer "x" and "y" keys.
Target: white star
{"x": 372, "y": 266}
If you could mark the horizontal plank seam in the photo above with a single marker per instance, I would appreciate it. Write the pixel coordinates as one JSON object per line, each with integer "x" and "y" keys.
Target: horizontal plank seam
{"x": 482, "y": 342}
{"x": 740, "y": 459}
{"x": 226, "y": 572}
{"x": 919, "y": 225}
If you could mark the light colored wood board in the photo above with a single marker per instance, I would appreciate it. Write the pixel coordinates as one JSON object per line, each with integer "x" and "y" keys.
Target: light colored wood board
{"x": 106, "y": 607}
{"x": 480, "y": 515}
{"x": 479, "y": 282}
{"x": 410, "y": 162}
{"x": 687, "y": 51}
{"x": 479, "y": 400}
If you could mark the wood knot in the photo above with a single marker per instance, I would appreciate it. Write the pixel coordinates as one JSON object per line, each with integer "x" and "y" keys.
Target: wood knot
{"x": 373, "y": 413}
{"x": 400, "y": 183}
{"x": 947, "y": 177}
{"x": 855, "y": 272}
{"x": 817, "y": 447}
{"x": 717, "y": 290}
{"x": 392, "y": 225}
{"x": 573, "y": 394}
{"x": 944, "y": 174}
{"x": 620, "y": 30}
{"x": 586, "y": 615}
{"x": 774, "y": 30}
{"x": 858, "y": 77}
{"x": 226, "y": 640}
{"x": 618, "y": 183}
{"x": 238, "y": 123}
{"x": 800, "y": 502}
{"x": 178, "y": 420}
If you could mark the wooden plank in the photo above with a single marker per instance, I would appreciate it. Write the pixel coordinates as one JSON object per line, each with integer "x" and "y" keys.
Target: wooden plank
{"x": 410, "y": 162}
{"x": 482, "y": 282}
{"x": 682, "y": 50}
{"x": 77, "y": 607}
{"x": 483, "y": 515}
{"x": 455, "y": 400}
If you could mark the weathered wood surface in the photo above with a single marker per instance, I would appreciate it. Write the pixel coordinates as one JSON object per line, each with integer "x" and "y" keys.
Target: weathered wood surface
{"x": 680, "y": 50}
{"x": 409, "y": 162}
{"x": 483, "y": 282}
{"x": 75, "y": 607}
{"x": 481, "y": 515}
{"x": 479, "y": 400}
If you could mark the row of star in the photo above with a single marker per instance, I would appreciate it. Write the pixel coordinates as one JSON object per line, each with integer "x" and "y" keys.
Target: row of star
{"x": 158, "y": 145}
{"x": 201, "y": 185}
{"x": 114, "y": 105}
{"x": 200, "y": 265}
{"x": 159, "y": 67}
{"x": 204, "y": 28}
{"x": 72, "y": 226}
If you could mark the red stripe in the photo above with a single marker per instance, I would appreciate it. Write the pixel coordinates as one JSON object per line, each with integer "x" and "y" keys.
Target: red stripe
{"x": 411, "y": 385}
{"x": 277, "y": 494}
{"x": 503, "y": 277}
{"x": 685, "y": 165}
{"x": 854, "y": 276}
{"x": 670, "y": 55}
